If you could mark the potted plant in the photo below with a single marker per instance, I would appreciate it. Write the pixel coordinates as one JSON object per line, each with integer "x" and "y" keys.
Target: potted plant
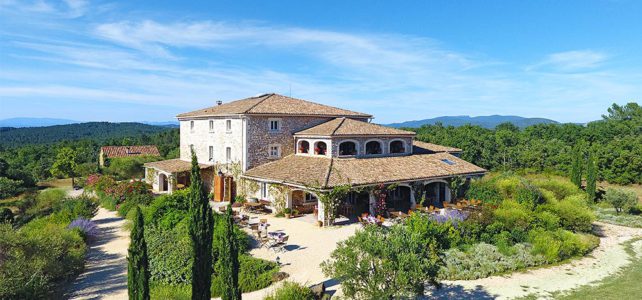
{"x": 295, "y": 213}
{"x": 288, "y": 212}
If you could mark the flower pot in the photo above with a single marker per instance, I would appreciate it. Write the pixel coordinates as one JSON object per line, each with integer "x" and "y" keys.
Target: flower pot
{"x": 287, "y": 216}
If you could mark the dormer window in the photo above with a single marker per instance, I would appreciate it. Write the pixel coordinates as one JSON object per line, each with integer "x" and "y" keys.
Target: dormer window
{"x": 397, "y": 147}
{"x": 274, "y": 125}
{"x": 348, "y": 148}
{"x": 320, "y": 148}
{"x": 304, "y": 147}
{"x": 373, "y": 148}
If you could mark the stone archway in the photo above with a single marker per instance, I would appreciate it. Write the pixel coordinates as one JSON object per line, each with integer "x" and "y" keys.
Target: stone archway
{"x": 437, "y": 192}
{"x": 163, "y": 182}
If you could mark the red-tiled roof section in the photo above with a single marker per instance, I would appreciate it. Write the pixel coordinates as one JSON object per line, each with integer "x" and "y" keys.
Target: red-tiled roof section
{"x": 125, "y": 151}
{"x": 351, "y": 127}
{"x": 272, "y": 104}
{"x": 328, "y": 172}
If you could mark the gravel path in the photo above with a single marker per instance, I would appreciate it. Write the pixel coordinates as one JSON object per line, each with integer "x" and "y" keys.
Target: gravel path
{"x": 105, "y": 275}
{"x": 608, "y": 258}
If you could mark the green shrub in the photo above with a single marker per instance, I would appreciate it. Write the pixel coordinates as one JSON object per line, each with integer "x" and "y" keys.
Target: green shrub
{"x": 291, "y": 291}
{"x": 559, "y": 186}
{"x": 168, "y": 210}
{"x": 547, "y": 220}
{"x": 573, "y": 212}
{"x": 513, "y": 215}
{"x": 46, "y": 201}
{"x": 485, "y": 191}
{"x": 529, "y": 195}
{"x": 6, "y": 215}
{"x": 170, "y": 292}
{"x": 254, "y": 274}
{"x": 483, "y": 260}
{"x": 10, "y": 187}
{"x": 72, "y": 208}
{"x": 37, "y": 258}
{"x": 560, "y": 244}
{"x": 129, "y": 167}
{"x": 169, "y": 265}
{"x": 403, "y": 263}
{"x": 621, "y": 199}
{"x": 507, "y": 185}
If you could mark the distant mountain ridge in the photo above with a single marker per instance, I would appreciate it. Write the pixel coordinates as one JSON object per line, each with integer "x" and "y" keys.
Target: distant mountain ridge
{"x": 483, "y": 121}
{"x": 42, "y": 122}
{"x": 99, "y": 131}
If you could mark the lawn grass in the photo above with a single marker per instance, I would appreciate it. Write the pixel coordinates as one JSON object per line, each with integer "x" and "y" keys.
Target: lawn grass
{"x": 56, "y": 183}
{"x": 623, "y": 285}
{"x": 608, "y": 215}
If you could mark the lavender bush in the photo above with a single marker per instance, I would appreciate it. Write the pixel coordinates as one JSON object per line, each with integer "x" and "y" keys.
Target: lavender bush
{"x": 455, "y": 216}
{"x": 88, "y": 228}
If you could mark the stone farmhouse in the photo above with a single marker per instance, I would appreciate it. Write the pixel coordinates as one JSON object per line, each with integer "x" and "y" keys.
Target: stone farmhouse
{"x": 285, "y": 151}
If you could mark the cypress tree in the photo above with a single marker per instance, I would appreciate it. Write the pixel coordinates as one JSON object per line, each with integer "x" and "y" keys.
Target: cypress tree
{"x": 229, "y": 260}
{"x": 200, "y": 231}
{"x": 576, "y": 169}
{"x": 138, "y": 264}
{"x": 591, "y": 177}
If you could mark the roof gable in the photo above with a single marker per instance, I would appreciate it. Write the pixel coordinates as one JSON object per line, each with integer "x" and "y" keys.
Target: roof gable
{"x": 272, "y": 104}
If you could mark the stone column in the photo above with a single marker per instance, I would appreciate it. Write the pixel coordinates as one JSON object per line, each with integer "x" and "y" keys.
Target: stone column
{"x": 372, "y": 202}
{"x": 413, "y": 201}
{"x": 321, "y": 212}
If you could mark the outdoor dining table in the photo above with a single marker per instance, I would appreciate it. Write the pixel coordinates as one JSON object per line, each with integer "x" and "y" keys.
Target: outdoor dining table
{"x": 398, "y": 214}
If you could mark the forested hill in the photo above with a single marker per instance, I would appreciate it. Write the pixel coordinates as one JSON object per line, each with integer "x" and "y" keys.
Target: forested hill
{"x": 96, "y": 131}
{"x": 489, "y": 122}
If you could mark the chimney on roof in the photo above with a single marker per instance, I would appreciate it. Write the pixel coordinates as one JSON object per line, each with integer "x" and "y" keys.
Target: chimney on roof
{"x": 219, "y": 102}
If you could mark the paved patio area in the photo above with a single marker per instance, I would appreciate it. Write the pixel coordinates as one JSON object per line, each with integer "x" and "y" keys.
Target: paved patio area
{"x": 308, "y": 246}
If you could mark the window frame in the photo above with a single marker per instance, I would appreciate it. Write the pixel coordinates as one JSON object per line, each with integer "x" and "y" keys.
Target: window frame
{"x": 403, "y": 146}
{"x": 191, "y": 125}
{"x": 276, "y": 121}
{"x": 278, "y": 150}
{"x": 210, "y": 150}
{"x": 228, "y": 154}
{"x": 356, "y": 148}
{"x": 228, "y": 126}
{"x": 311, "y": 196}
{"x": 211, "y": 126}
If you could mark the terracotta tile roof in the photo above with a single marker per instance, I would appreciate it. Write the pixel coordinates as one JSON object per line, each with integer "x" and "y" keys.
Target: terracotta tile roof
{"x": 420, "y": 147}
{"x": 328, "y": 172}
{"x": 173, "y": 165}
{"x": 125, "y": 151}
{"x": 351, "y": 127}
{"x": 272, "y": 104}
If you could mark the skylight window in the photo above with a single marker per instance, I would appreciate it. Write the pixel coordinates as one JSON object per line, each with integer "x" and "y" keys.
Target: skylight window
{"x": 448, "y": 161}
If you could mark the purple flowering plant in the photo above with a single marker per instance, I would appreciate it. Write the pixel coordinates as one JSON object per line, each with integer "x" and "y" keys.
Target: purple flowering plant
{"x": 87, "y": 227}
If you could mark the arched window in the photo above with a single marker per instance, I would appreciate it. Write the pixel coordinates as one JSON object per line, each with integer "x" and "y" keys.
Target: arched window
{"x": 348, "y": 148}
{"x": 373, "y": 147}
{"x": 320, "y": 148}
{"x": 397, "y": 147}
{"x": 304, "y": 147}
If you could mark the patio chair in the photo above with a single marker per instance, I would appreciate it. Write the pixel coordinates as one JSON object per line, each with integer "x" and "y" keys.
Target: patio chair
{"x": 279, "y": 246}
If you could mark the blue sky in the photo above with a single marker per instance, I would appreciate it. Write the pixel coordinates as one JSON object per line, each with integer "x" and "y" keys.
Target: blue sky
{"x": 401, "y": 60}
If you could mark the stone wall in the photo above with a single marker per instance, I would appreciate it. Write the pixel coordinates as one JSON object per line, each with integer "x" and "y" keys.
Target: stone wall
{"x": 260, "y": 137}
{"x": 220, "y": 138}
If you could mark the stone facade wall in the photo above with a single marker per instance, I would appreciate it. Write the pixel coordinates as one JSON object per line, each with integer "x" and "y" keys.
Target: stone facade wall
{"x": 260, "y": 137}
{"x": 220, "y": 138}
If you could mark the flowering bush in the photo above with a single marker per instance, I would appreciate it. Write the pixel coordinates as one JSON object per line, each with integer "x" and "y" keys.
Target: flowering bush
{"x": 87, "y": 228}
{"x": 452, "y": 215}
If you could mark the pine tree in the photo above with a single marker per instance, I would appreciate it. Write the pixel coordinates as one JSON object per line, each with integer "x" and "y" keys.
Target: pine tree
{"x": 591, "y": 177}
{"x": 138, "y": 264}
{"x": 228, "y": 259}
{"x": 576, "y": 169}
{"x": 200, "y": 231}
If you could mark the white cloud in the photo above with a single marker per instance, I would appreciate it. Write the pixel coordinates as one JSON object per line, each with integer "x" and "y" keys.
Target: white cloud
{"x": 577, "y": 60}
